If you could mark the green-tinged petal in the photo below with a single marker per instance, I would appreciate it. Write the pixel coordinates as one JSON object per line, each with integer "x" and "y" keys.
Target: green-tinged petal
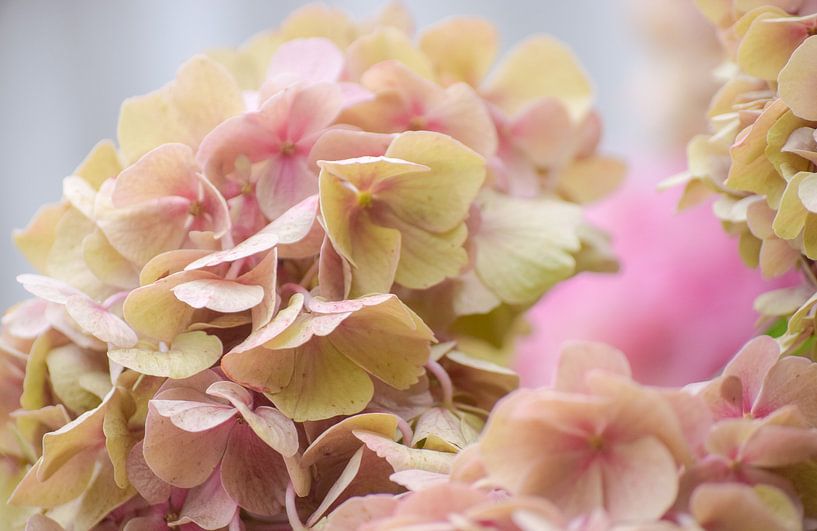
{"x": 66, "y": 365}
{"x": 189, "y": 354}
{"x": 524, "y": 246}
{"x": 427, "y": 258}
{"x": 118, "y": 437}
{"x": 375, "y": 256}
{"x": 437, "y": 200}
{"x": 324, "y": 384}
{"x": 35, "y": 394}
{"x": 387, "y": 340}
{"x": 442, "y": 430}
{"x": 155, "y": 311}
{"x": 766, "y": 46}
{"x": 797, "y": 80}
{"x": 791, "y": 214}
{"x": 751, "y": 170}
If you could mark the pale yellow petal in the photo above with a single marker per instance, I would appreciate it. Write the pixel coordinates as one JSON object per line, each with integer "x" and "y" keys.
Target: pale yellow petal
{"x": 460, "y": 49}
{"x": 202, "y": 96}
{"x": 521, "y": 79}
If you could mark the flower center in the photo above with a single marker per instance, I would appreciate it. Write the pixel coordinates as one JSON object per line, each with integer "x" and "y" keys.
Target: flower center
{"x": 195, "y": 209}
{"x": 287, "y": 148}
{"x": 596, "y": 442}
{"x": 364, "y": 198}
{"x": 417, "y": 123}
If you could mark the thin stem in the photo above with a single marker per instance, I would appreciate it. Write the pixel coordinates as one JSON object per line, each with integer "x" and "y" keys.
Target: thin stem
{"x": 227, "y": 241}
{"x": 292, "y": 511}
{"x": 310, "y": 274}
{"x": 115, "y": 298}
{"x": 235, "y": 269}
{"x": 808, "y": 272}
{"x": 405, "y": 429}
{"x": 444, "y": 380}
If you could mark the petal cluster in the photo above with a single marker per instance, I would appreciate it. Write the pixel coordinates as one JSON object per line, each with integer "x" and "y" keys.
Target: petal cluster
{"x": 598, "y": 451}
{"x": 759, "y": 155}
{"x": 294, "y": 277}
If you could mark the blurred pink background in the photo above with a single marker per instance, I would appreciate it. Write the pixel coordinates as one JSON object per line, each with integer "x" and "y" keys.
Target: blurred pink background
{"x": 679, "y": 308}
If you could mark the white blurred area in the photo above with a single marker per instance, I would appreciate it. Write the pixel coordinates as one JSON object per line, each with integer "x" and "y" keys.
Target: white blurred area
{"x": 65, "y": 67}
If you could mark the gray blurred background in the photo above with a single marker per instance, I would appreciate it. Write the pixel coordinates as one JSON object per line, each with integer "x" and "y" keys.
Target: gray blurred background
{"x": 65, "y": 67}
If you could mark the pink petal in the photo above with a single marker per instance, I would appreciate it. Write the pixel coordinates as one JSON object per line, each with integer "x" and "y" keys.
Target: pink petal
{"x": 578, "y": 358}
{"x": 146, "y": 483}
{"x": 27, "y": 319}
{"x": 288, "y": 180}
{"x": 542, "y": 131}
{"x": 751, "y": 364}
{"x": 312, "y": 60}
{"x": 354, "y": 513}
{"x": 774, "y": 446}
{"x": 47, "y": 288}
{"x": 181, "y": 458}
{"x": 168, "y": 170}
{"x": 292, "y": 226}
{"x": 791, "y": 381}
{"x": 96, "y": 320}
{"x": 342, "y": 144}
{"x": 640, "y": 480}
{"x": 208, "y": 505}
{"x": 231, "y": 392}
{"x": 215, "y": 209}
{"x": 193, "y": 417}
{"x": 253, "y": 473}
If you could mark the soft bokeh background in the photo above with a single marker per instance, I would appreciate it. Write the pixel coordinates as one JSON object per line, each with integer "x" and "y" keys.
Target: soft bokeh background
{"x": 66, "y": 66}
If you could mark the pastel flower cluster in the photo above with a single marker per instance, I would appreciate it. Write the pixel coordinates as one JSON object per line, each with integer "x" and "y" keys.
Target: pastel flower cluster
{"x": 760, "y": 156}
{"x": 288, "y": 282}
{"x": 598, "y": 451}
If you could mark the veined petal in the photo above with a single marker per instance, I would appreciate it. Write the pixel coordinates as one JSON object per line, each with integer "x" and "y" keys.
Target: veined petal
{"x": 208, "y": 505}
{"x": 324, "y": 383}
{"x": 182, "y": 458}
{"x": 168, "y": 170}
{"x": 525, "y": 246}
{"x": 253, "y": 473}
{"x": 98, "y": 321}
{"x": 189, "y": 354}
{"x": 437, "y": 200}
